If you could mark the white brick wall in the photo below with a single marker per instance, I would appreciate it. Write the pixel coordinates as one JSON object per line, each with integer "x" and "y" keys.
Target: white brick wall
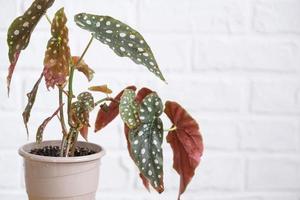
{"x": 235, "y": 64}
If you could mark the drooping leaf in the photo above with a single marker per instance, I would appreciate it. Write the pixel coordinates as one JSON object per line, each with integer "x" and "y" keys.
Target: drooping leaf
{"x": 57, "y": 56}
{"x": 81, "y": 112}
{"x": 109, "y": 113}
{"x": 144, "y": 179}
{"x": 31, "y": 99}
{"x": 146, "y": 141}
{"x": 101, "y": 88}
{"x": 40, "y": 131}
{"x": 122, "y": 39}
{"x": 128, "y": 109}
{"x": 186, "y": 142}
{"x": 19, "y": 32}
{"x": 83, "y": 67}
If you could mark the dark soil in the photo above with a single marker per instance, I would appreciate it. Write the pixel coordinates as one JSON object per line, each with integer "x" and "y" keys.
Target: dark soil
{"x": 54, "y": 151}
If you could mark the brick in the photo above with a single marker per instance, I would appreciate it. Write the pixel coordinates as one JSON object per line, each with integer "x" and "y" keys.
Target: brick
{"x": 173, "y": 53}
{"x": 10, "y": 168}
{"x": 8, "y": 17}
{"x": 199, "y": 93}
{"x": 220, "y": 134}
{"x": 218, "y": 173}
{"x": 13, "y": 102}
{"x": 274, "y": 135}
{"x": 250, "y": 55}
{"x": 204, "y": 16}
{"x": 276, "y": 96}
{"x": 277, "y": 173}
{"x": 277, "y": 16}
{"x": 114, "y": 174}
{"x": 218, "y": 16}
{"x": 11, "y": 132}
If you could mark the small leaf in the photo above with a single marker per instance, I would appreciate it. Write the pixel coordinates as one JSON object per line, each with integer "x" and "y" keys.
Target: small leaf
{"x": 40, "y": 131}
{"x": 31, "y": 99}
{"x": 122, "y": 39}
{"x": 101, "y": 88}
{"x": 146, "y": 140}
{"x": 106, "y": 115}
{"x": 81, "y": 112}
{"x": 83, "y": 67}
{"x": 87, "y": 100}
{"x": 186, "y": 142}
{"x": 57, "y": 56}
{"x": 128, "y": 109}
{"x": 19, "y": 32}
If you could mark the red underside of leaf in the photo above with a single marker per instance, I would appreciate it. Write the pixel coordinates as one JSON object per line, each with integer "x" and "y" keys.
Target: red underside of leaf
{"x": 186, "y": 143}
{"x": 84, "y": 132}
{"x": 105, "y": 116}
{"x": 11, "y": 70}
{"x": 144, "y": 179}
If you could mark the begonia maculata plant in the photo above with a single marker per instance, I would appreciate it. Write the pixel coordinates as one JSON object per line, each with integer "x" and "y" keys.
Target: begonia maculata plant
{"x": 140, "y": 109}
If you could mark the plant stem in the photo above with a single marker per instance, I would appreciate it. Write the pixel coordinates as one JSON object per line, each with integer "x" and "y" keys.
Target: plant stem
{"x": 62, "y": 121}
{"x": 48, "y": 18}
{"x": 103, "y": 100}
{"x": 70, "y": 97}
{"x": 173, "y": 128}
{"x": 71, "y": 76}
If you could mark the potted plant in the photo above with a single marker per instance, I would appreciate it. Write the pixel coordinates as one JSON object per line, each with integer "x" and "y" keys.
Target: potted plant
{"x": 68, "y": 168}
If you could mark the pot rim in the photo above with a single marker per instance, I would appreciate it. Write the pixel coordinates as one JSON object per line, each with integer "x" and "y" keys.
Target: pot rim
{"x": 24, "y": 152}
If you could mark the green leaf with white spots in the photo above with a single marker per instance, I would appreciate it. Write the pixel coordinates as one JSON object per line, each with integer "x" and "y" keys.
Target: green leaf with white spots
{"x": 31, "y": 99}
{"x": 146, "y": 141}
{"x": 128, "y": 109}
{"x": 87, "y": 99}
{"x": 19, "y": 32}
{"x": 121, "y": 38}
{"x": 150, "y": 108}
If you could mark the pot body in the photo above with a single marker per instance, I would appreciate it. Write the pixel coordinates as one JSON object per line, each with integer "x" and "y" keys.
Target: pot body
{"x": 53, "y": 178}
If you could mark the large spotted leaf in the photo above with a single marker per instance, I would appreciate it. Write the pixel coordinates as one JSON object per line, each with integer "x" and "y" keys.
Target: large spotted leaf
{"x": 19, "y": 32}
{"x": 31, "y": 99}
{"x": 146, "y": 141}
{"x": 108, "y": 113}
{"x": 128, "y": 109}
{"x": 186, "y": 142}
{"x": 57, "y": 56}
{"x": 40, "y": 131}
{"x": 121, "y": 38}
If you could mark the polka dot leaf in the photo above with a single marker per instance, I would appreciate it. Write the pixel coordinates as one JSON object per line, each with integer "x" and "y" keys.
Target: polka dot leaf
{"x": 31, "y": 99}
{"x": 145, "y": 143}
{"x": 19, "y": 32}
{"x": 40, "y": 131}
{"x": 108, "y": 113}
{"x": 121, "y": 38}
{"x": 147, "y": 138}
{"x": 186, "y": 142}
{"x": 57, "y": 56}
{"x": 128, "y": 109}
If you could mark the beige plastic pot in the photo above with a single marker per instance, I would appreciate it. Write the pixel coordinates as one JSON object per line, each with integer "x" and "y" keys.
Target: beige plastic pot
{"x": 58, "y": 178}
